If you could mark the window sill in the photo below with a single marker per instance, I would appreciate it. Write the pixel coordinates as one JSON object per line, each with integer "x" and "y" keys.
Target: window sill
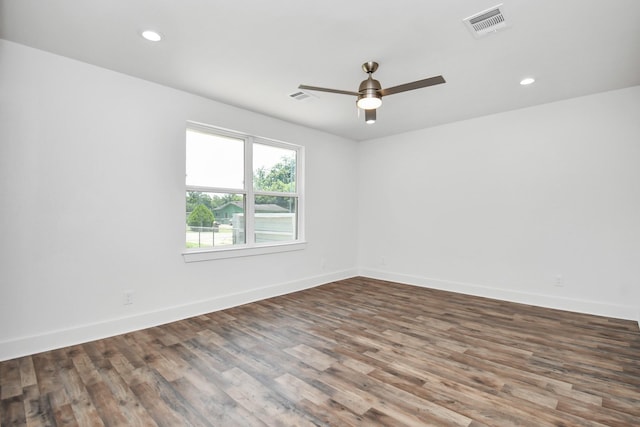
{"x": 212, "y": 254}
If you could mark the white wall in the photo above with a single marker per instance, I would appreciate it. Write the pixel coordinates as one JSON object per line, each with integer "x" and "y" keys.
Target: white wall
{"x": 499, "y": 206}
{"x": 92, "y": 204}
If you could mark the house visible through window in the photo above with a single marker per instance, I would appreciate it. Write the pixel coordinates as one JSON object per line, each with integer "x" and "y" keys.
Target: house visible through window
{"x": 241, "y": 191}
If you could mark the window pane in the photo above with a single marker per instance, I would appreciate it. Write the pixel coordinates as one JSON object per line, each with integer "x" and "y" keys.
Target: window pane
{"x": 276, "y": 219}
{"x": 214, "y": 219}
{"x": 214, "y": 161}
{"x": 274, "y": 169}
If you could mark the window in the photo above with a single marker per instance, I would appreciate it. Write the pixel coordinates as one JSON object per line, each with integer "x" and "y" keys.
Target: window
{"x": 242, "y": 192}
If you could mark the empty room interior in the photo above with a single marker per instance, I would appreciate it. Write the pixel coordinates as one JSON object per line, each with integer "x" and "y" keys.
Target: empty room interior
{"x": 327, "y": 213}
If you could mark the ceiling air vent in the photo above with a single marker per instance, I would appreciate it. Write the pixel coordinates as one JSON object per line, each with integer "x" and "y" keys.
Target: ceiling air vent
{"x": 299, "y": 95}
{"x": 486, "y": 22}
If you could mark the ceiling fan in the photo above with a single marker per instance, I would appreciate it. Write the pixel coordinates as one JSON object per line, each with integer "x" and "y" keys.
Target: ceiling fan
{"x": 370, "y": 92}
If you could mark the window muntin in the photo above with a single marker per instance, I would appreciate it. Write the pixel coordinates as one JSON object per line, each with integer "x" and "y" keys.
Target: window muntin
{"x": 264, "y": 212}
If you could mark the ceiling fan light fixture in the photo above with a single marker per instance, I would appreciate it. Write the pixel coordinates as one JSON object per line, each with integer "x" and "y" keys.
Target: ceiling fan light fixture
{"x": 369, "y": 101}
{"x": 370, "y": 116}
{"x": 369, "y": 98}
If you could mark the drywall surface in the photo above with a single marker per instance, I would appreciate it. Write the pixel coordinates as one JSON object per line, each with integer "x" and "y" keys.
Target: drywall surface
{"x": 92, "y": 205}
{"x": 539, "y": 205}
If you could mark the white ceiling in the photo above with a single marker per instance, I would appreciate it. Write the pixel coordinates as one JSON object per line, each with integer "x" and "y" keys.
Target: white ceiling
{"x": 254, "y": 53}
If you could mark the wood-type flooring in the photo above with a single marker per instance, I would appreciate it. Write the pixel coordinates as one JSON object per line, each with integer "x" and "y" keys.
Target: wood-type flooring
{"x": 358, "y": 352}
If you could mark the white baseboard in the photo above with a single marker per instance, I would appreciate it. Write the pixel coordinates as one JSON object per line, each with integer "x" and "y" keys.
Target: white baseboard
{"x": 568, "y": 304}
{"x": 92, "y": 331}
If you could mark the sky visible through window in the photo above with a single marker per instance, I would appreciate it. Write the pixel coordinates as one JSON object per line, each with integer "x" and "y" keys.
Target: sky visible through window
{"x": 214, "y": 161}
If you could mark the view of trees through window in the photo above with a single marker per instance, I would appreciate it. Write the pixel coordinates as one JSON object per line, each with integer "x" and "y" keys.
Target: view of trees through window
{"x": 215, "y": 216}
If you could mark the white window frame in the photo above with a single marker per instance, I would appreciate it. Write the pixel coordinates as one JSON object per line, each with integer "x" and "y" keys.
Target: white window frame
{"x": 250, "y": 247}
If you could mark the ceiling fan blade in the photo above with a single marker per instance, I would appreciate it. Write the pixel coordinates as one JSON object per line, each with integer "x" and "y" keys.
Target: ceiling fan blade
{"x": 431, "y": 81}
{"x": 324, "y": 89}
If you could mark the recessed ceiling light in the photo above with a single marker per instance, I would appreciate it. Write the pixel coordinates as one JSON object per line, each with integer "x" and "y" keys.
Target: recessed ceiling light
{"x": 151, "y": 35}
{"x": 527, "y": 81}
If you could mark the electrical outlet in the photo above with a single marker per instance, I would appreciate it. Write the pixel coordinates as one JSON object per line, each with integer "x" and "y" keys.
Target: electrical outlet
{"x": 559, "y": 282}
{"x": 323, "y": 263}
{"x": 127, "y": 298}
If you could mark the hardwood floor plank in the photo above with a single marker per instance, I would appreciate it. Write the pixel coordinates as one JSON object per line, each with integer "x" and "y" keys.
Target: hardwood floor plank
{"x": 173, "y": 403}
{"x": 357, "y": 352}
{"x": 403, "y": 405}
{"x": 330, "y": 414}
{"x": 217, "y": 407}
{"x": 375, "y": 417}
{"x": 121, "y": 392}
{"x": 125, "y": 358}
{"x": 83, "y": 408}
{"x": 163, "y": 414}
{"x": 108, "y": 408}
{"x": 295, "y": 389}
{"x": 37, "y": 410}
{"x": 64, "y": 416}
{"x": 12, "y": 412}
{"x": 311, "y": 356}
{"x": 27, "y": 372}
{"x": 11, "y": 381}
{"x": 604, "y": 416}
{"x": 84, "y": 366}
{"x": 258, "y": 400}
{"x": 626, "y": 406}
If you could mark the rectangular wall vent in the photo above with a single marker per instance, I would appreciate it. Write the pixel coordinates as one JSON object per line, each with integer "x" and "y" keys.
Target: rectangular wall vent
{"x": 486, "y": 22}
